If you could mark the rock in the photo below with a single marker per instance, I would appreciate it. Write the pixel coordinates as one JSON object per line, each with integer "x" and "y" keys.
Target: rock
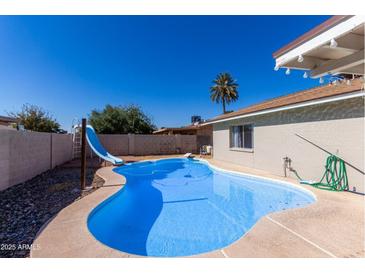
{"x": 26, "y": 207}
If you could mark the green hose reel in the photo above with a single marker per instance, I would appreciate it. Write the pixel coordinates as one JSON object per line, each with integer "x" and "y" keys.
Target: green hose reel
{"x": 334, "y": 177}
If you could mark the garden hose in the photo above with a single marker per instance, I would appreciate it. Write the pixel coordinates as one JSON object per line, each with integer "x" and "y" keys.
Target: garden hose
{"x": 335, "y": 175}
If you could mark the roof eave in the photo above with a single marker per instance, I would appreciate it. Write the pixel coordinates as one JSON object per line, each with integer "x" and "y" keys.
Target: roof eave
{"x": 358, "y": 93}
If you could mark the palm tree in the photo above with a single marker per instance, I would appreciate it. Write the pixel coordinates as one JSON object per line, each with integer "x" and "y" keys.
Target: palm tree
{"x": 224, "y": 90}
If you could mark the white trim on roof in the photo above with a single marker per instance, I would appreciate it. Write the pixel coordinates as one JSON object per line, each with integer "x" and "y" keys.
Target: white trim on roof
{"x": 359, "y": 93}
{"x": 323, "y": 38}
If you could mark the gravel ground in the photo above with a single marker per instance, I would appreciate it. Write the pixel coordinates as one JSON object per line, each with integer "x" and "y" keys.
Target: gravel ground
{"x": 26, "y": 207}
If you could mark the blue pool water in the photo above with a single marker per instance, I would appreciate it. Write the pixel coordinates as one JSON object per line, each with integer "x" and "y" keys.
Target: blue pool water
{"x": 181, "y": 207}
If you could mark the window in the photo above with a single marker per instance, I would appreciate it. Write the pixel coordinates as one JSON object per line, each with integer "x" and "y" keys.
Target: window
{"x": 248, "y": 136}
{"x": 241, "y": 136}
{"x": 237, "y": 137}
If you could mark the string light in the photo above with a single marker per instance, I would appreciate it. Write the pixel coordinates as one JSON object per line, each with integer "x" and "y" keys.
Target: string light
{"x": 305, "y": 75}
{"x": 300, "y": 58}
{"x": 276, "y": 68}
{"x": 321, "y": 81}
{"x": 287, "y": 72}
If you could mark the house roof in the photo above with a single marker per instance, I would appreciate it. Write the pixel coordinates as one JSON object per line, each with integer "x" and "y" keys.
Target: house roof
{"x": 334, "y": 20}
{"x": 320, "y": 92}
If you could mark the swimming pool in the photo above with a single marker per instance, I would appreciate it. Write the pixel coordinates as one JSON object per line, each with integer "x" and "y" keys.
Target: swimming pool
{"x": 181, "y": 207}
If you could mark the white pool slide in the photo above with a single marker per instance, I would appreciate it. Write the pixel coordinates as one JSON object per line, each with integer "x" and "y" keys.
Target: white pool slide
{"x": 98, "y": 148}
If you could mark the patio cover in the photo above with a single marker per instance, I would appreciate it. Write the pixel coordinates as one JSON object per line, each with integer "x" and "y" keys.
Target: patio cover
{"x": 335, "y": 47}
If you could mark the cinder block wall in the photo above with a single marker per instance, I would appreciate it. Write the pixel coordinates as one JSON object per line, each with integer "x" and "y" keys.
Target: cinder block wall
{"x": 140, "y": 144}
{"x": 61, "y": 149}
{"x": 189, "y": 143}
{"x": 116, "y": 144}
{"x": 153, "y": 144}
{"x": 25, "y": 154}
{"x": 338, "y": 127}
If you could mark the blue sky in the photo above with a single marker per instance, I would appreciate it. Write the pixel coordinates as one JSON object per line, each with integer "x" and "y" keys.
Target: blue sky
{"x": 71, "y": 65}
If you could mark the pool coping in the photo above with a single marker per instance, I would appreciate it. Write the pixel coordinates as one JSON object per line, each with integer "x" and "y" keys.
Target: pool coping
{"x": 263, "y": 178}
{"x": 85, "y": 245}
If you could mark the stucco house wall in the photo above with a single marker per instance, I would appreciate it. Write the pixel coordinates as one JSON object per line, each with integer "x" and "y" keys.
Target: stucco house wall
{"x": 337, "y": 127}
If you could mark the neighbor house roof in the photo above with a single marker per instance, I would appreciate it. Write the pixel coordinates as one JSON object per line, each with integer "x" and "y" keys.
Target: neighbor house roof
{"x": 8, "y": 119}
{"x": 167, "y": 129}
{"x": 312, "y": 94}
{"x": 185, "y": 128}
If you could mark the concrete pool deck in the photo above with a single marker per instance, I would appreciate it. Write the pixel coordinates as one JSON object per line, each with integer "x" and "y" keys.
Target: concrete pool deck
{"x": 333, "y": 226}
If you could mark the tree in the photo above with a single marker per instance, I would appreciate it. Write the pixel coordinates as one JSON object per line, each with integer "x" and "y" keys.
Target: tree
{"x": 224, "y": 90}
{"x": 36, "y": 119}
{"x": 121, "y": 120}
